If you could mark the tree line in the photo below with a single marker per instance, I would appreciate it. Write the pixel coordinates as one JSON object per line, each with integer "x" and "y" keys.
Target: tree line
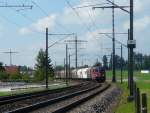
{"x": 141, "y": 62}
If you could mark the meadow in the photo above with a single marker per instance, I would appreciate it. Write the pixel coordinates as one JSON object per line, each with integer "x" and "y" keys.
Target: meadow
{"x": 142, "y": 81}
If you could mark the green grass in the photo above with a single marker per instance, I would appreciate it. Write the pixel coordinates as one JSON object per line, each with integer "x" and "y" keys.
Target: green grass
{"x": 137, "y": 74}
{"x": 124, "y": 106}
{"x": 118, "y": 73}
{"x": 143, "y": 82}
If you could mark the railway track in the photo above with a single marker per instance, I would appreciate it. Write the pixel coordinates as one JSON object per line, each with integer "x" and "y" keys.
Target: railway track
{"x": 19, "y": 97}
{"x": 31, "y": 102}
{"x": 64, "y": 103}
{"x": 72, "y": 102}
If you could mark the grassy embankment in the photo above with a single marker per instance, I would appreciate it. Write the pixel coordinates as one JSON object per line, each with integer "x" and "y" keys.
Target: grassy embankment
{"x": 143, "y": 82}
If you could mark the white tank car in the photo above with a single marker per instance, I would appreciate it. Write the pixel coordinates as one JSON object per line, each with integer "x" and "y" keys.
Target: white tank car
{"x": 83, "y": 73}
{"x": 73, "y": 74}
{"x": 59, "y": 74}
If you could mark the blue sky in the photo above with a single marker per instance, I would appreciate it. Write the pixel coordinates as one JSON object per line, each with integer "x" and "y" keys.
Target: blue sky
{"x": 24, "y": 30}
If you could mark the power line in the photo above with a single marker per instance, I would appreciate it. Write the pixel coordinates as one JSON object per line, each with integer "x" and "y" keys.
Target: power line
{"x": 84, "y": 6}
{"x": 77, "y": 14}
{"x": 39, "y": 7}
{"x": 46, "y": 14}
{"x": 17, "y": 6}
{"x": 58, "y": 41}
{"x": 14, "y": 6}
{"x": 29, "y": 19}
{"x": 92, "y": 20}
{"x": 10, "y": 21}
{"x": 25, "y": 16}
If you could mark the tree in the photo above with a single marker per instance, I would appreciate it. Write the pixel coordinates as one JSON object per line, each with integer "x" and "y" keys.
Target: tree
{"x": 59, "y": 67}
{"x": 138, "y": 61}
{"x": 118, "y": 62}
{"x": 105, "y": 62}
{"x": 3, "y": 76}
{"x": 146, "y": 62}
{"x": 40, "y": 66}
{"x": 25, "y": 77}
{"x": 14, "y": 76}
{"x": 2, "y": 69}
{"x": 97, "y": 64}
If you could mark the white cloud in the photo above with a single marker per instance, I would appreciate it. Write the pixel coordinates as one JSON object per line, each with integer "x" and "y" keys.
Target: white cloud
{"x": 96, "y": 41}
{"x": 142, "y": 23}
{"x": 39, "y": 25}
{"x": 139, "y": 24}
{"x": 139, "y": 6}
{"x": 86, "y": 15}
{"x": 24, "y": 31}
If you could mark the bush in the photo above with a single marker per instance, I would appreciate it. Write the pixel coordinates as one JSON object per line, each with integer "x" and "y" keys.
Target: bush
{"x": 39, "y": 75}
{"x": 14, "y": 76}
{"x": 3, "y": 76}
{"x": 26, "y": 77}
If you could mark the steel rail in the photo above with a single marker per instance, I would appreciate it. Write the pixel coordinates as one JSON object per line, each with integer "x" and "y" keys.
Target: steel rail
{"x": 51, "y": 101}
{"x": 80, "y": 101}
{"x": 15, "y": 98}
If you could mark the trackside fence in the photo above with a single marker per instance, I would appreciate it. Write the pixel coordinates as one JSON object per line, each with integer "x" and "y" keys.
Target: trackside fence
{"x": 140, "y": 100}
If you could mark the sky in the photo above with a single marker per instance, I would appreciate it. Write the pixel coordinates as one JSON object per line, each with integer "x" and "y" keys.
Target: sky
{"x": 23, "y": 29}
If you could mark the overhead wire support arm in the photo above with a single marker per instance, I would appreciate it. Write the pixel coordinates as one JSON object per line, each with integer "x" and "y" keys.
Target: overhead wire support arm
{"x": 118, "y": 6}
{"x": 27, "y": 6}
{"x": 114, "y": 6}
{"x": 61, "y": 34}
{"x": 103, "y": 7}
{"x": 60, "y": 39}
{"x": 76, "y": 40}
{"x": 115, "y": 33}
{"x": 57, "y": 42}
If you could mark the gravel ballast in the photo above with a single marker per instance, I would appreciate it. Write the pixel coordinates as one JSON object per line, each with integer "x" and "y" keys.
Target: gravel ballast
{"x": 27, "y": 102}
{"x": 102, "y": 103}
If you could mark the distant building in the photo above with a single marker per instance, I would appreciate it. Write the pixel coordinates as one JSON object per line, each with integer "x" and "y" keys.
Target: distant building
{"x": 25, "y": 69}
{"x": 19, "y": 70}
{"x": 12, "y": 69}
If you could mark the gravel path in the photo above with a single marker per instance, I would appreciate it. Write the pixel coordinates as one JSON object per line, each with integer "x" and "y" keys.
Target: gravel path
{"x": 102, "y": 103}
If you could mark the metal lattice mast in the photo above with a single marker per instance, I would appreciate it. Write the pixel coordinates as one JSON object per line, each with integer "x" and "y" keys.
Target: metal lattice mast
{"x": 10, "y": 55}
